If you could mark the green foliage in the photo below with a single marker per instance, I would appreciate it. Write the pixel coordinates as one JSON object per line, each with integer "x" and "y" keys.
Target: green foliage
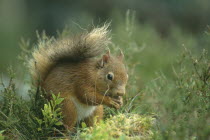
{"x": 1, "y": 136}
{"x": 52, "y": 115}
{"x": 182, "y": 104}
{"x": 34, "y": 118}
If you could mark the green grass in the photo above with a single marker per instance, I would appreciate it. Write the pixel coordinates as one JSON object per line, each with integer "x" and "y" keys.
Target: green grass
{"x": 168, "y": 93}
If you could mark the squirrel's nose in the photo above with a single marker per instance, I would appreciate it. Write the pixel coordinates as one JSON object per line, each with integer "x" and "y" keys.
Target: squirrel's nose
{"x": 121, "y": 92}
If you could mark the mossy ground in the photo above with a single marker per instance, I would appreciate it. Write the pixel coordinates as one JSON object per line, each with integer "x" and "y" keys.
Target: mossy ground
{"x": 122, "y": 126}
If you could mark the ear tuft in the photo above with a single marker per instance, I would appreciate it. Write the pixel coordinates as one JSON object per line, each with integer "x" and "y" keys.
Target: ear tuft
{"x": 121, "y": 55}
{"x": 108, "y": 52}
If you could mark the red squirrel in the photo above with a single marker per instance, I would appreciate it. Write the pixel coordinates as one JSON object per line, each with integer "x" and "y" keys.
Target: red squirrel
{"x": 86, "y": 80}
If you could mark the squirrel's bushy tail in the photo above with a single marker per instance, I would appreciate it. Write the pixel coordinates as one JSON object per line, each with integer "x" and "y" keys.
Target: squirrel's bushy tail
{"x": 77, "y": 49}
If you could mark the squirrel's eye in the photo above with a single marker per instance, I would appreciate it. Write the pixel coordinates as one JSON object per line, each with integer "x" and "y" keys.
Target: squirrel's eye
{"x": 110, "y": 76}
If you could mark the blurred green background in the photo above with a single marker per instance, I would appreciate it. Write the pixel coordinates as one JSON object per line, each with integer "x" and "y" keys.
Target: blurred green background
{"x": 21, "y": 18}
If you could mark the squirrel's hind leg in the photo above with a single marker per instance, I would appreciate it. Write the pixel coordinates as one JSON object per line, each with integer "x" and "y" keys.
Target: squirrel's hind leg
{"x": 69, "y": 114}
{"x": 95, "y": 117}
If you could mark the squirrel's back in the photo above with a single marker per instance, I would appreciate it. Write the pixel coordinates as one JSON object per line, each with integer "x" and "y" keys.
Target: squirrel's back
{"x": 48, "y": 55}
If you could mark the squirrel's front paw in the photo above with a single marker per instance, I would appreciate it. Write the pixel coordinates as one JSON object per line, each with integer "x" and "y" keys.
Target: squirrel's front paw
{"x": 116, "y": 102}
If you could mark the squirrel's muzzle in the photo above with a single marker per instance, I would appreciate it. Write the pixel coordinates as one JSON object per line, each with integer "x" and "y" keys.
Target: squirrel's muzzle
{"x": 118, "y": 92}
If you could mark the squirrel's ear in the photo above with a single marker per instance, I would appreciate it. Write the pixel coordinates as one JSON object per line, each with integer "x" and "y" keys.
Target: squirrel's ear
{"x": 105, "y": 59}
{"x": 106, "y": 56}
{"x": 121, "y": 56}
